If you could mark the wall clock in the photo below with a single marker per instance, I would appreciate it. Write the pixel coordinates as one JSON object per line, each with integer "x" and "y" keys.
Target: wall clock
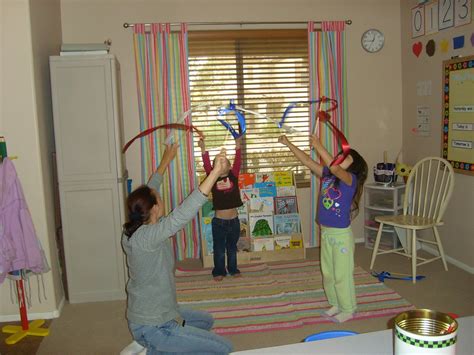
{"x": 372, "y": 40}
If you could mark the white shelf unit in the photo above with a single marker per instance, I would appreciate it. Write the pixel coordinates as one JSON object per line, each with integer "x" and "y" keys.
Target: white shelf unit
{"x": 91, "y": 174}
{"x": 382, "y": 200}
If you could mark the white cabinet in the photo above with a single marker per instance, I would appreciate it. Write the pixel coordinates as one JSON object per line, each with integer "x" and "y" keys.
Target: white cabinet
{"x": 382, "y": 200}
{"x": 87, "y": 129}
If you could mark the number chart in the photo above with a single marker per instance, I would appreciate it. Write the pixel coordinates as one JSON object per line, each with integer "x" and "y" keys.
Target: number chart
{"x": 458, "y": 114}
{"x": 439, "y": 15}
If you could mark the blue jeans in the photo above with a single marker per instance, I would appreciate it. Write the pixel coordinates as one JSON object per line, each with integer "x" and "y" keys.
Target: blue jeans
{"x": 225, "y": 234}
{"x": 170, "y": 337}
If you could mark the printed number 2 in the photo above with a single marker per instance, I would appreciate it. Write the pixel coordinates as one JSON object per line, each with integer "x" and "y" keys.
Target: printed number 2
{"x": 446, "y": 14}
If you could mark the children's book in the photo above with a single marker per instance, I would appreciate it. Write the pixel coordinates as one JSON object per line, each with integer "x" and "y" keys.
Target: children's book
{"x": 247, "y": 194}
{"x": 266, "y": 189}
{"x": 283, "y": 178}
{"x": 207, "y": 214}
{"x": 264, "y": 177}
{"x": 244, "y": 243}
{"x": 282, "y": 241}
{"x": 286, "y": 204}
{"x": 287, "y": 223}
{"x": 262, "y": 244}
{"x": 246, "y": 181}
{"x": 260, "y": 224}
{"x": 296, "y": 242}
{"x": 286, "y": 191}
{"x": 261, "y": 204}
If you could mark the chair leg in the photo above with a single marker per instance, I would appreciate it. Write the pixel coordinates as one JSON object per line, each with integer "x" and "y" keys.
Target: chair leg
{"x": 376, "y": 245}
{"x": 413, "y": 255}
{"x": 440, "y": 247}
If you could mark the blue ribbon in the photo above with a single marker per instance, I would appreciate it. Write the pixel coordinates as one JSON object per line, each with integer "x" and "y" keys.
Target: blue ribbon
{"x": 386, "y": 275}
{"x": 240, "y": 118}
{"x": 291, "y": 106}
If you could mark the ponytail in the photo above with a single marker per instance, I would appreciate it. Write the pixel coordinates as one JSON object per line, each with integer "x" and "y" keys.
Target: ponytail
{"x": 139, "y": 204}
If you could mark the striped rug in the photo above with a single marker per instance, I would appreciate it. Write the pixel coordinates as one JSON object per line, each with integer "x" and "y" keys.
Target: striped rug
{"x": 278, "y": 296}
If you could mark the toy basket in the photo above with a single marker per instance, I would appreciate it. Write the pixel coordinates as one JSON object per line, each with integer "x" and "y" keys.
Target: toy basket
{"x": 385, "y": 173}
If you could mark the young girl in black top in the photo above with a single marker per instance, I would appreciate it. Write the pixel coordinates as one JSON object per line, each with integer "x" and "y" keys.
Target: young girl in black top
{"x": 225, "y": 224}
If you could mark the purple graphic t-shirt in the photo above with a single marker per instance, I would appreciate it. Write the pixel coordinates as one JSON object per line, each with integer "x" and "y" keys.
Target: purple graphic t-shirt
{"x": 335, "y": 202}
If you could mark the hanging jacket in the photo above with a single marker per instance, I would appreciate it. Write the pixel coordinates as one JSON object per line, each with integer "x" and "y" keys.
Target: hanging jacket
{"x": 19, "y": 245}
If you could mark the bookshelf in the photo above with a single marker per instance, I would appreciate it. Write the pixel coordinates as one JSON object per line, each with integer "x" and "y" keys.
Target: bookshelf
{"x": 270, "y": 222}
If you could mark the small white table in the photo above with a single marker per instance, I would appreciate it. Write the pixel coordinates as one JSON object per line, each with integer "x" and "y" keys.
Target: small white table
{"x": 380, "y": 342}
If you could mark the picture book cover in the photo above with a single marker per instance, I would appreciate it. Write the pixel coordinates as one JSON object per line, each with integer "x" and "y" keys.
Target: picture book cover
{"x": 207, "y": 214}
{"x": 282, "y": 241}
{"x": 260, "y": 224}
{"x": 296, "y": 242}
{"x": 286, "y": 205}
{"x": 287, "y": 223}
{"x": 264, "y": 177}
{"x": 262, "y": 244}
{"x": 246, "y": 181}
{"x": 261, "y": 204}
{"x": 247, "y": 194}
{"x": 286, "y": 190}
{"x": 283, "y": 178}
{"x": 244, "y": 243}
{"x": 266, "y": 189}
{"x": 244, "y": 209}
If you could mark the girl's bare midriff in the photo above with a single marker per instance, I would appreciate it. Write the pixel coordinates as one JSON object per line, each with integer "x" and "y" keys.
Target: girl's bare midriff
{"x": 231, "y": 213}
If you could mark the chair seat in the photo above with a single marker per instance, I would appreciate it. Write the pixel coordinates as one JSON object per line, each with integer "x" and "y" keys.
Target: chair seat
{"x": 408, "y": 221}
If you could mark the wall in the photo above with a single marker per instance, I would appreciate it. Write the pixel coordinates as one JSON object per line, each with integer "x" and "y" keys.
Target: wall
{"x": 457, "y": 234}
{"x": 34, "y": 31}
{"x": 374, "y": 80}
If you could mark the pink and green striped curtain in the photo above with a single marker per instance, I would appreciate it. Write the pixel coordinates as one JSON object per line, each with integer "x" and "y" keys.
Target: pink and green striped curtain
{"x": 327, "y": 67}
{"x": 161, "y": 63}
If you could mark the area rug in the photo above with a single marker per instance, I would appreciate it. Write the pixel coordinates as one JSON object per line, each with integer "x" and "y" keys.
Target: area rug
{"x": 278, "y": 296}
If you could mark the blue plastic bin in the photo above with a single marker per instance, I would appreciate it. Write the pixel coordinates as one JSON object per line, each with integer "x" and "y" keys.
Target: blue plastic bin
{"x": 329, "y": 335}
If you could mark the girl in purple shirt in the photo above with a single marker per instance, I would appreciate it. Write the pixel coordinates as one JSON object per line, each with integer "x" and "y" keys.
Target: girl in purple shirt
{"x": 341, "y": 189}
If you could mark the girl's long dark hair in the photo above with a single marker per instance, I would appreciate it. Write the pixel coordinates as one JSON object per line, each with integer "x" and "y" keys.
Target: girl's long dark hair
{"x": 360, "y": 170}
{"x": 139, "y": 204}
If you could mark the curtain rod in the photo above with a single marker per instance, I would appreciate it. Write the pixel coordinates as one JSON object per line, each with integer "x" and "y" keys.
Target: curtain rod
{"x": 127, "y": 25}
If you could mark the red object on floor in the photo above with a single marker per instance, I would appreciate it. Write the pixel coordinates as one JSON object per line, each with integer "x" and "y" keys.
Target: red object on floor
{"x": 21, "y": 302}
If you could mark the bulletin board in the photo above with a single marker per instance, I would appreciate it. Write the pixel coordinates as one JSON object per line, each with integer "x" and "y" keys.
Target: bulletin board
{"x": 458, "y": 114}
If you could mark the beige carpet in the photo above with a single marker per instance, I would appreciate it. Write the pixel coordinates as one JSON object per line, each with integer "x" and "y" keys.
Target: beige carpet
{"x": 100, "y": 328}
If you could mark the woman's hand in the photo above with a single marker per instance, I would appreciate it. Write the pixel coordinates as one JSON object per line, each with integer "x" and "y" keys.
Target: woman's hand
{"x": 170, "y": 152}
{"x": 220, "y": 164}
{"x": 168, "y": 155}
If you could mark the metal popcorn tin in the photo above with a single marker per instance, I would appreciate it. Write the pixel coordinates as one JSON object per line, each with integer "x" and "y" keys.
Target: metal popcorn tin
{"x": 423, "y": 331}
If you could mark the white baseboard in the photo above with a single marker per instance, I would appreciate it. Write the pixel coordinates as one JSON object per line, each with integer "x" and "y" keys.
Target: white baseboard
{"x": 32, "y": 316}
{"x": 449, "y": 259}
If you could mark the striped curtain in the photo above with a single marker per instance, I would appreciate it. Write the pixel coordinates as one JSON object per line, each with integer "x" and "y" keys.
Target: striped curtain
{"x": 327, "y": 67}
{"x": 161, "y": 63}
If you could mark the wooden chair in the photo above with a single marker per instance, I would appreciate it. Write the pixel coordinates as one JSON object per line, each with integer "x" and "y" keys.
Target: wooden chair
{"x": 428, "y": 190}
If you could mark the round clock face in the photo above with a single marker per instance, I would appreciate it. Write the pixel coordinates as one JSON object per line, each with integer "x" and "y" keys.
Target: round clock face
{"x": 372, "y": 40}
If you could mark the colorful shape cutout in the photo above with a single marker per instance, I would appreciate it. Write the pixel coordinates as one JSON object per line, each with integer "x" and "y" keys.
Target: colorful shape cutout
{"x": 417, "y": 48}
{"x": 458, "y": 42}
{"x": 444, "y": 45}
{"x": 430, "y": 48}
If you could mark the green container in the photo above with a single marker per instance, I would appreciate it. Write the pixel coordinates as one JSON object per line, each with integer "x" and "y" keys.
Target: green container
{"x": 3, "y": 148}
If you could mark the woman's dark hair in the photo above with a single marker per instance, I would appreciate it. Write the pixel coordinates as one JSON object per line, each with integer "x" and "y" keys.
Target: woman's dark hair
{"x": 360, "y": 170}
{"x": 139, "y": 204}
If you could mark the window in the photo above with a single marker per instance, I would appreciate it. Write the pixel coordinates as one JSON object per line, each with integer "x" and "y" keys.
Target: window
{"x": 261, "y": 71}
